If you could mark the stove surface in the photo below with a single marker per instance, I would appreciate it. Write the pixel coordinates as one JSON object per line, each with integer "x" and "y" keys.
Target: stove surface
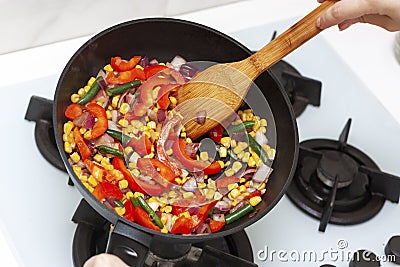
{"x": 38, "y": 204}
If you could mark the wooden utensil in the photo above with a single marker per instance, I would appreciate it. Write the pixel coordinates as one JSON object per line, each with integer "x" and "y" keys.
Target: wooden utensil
{"x": 218, "y": 91}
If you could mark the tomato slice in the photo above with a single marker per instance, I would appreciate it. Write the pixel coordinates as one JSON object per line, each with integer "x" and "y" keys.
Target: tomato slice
{"x": 101, "y": 125}
{"x": 216, "y": 133}
{"x": 107, "y": 189}
{"x": 119, "y": 64}
{"x": 73, "y": 111}
{"x": 215, "y": 226}
{"x": 157, "y": 170}
{"x": 80, "y": 142}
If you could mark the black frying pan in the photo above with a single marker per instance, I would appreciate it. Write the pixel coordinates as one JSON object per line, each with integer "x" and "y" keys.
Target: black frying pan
{"x": 164, "y": 38}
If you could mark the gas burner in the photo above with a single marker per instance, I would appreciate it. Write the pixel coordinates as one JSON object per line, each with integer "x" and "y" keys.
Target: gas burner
{"x": 340, "y": 184}
{"x": 93, "y": 236}
{"x": 301, "y": 90}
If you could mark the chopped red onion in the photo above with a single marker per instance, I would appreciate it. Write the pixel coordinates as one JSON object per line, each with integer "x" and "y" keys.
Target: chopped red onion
{"x": 201, "y": 117}
{"x": 102, "y": 83}
{"x": 104, "y": 140}
{"x": 248, "y": 173}
{"x": 89, "y": 144}
{"x": 121, "y": 99}
{"x": 161, "y": 115}
{"x": 130, "y": 99}
{"x": 238, "y": 206}
{"x": 188, "y": 71}
{"x": 114, "y": 115}
{"x": 193, "y": 210}
{"x": 101, "y": 73}
{"x": 221, "y": 207}
{"x": 261, "y": 138}
{"x": 262, "y": 173}
{"x": 218, "y": 217}
{"x": 199, "y": 176}
{"x": 113, "y": 126}
{"x": 134, "y": 157}
{"x": 111, "y": 201}
{"x": 153, "y": 115}
{"x": 144, "y": 62}
{"x": 177, "y": 62}
{"x": 85, "y": 120}
{"x": 191, "y": 149}
{"x": 203, "y": 228}
{"x": 190, "y": 185}
{"x": 153, "y": 62}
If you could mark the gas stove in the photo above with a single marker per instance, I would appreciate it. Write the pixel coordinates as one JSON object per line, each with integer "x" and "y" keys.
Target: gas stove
{"x": 38, "y": 204}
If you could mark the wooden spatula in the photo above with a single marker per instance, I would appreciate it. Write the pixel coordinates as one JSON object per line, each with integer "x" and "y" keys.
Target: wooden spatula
{"x": 219, "y": 90}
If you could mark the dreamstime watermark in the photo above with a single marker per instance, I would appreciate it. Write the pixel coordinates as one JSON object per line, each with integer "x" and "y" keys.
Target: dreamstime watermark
{"x": 337, "y": 254}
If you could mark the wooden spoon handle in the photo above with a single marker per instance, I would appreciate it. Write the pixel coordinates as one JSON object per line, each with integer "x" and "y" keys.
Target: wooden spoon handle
{"x": 285, "y": 43}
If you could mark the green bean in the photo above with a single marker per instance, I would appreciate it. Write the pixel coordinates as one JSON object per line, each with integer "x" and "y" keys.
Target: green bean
{"x": 238, "y": 128}
{"x": 232, "y": 155}
{"x": 110, "y": 150}
{"x": 150, "y": 211}
{"x": 118, "y": 135}
{"x": 246, "y": 209}
{"x": 118, "y": 203}
{"x": 117, "y": 90}
{"x": 259, "y": 150}
{"x": 134, "y": 201}
{"x": 94, "y": 89}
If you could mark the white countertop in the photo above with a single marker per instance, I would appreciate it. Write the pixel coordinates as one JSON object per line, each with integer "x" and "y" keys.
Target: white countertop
{"x": 366, "y": 49}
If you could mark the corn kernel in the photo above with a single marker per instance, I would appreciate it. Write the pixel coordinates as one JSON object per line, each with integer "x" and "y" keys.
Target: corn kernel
{"x": 169, "y": 152}
{"x": 233, "y": 143}
{"x": 98, "y": 157}
{"x": 124, "y": 108}
{"x": 201, "y": 185}
{"x": 135, "y": 172}
{"x": 226, "y": 141}
{"x": 242, "y": 189}
{"x": 188, "y": 195}
{"x": 211, "y": 184}
{"x": 75, "y": 98}
{"x": 152, "y": 125}
{"x": 184, "y": 179}
{"x": 92, "y": 181}
{"x": 67, "y": 147}
{"x": 240, "y": 155}
{"x": 242, "y": 180}
{"x": 185, "y": 214}
{"x": 173, "y": 100}
{"x": 229, "y": 172}
{"x": 83, "y": 178}
{"x": 122, "y": 184}
{"x": 178, "y": 180}
{"x": 232, "y": 186}
{"x": 129, "y": 194}
{"x": 255, "y": 200}
{"x": 261, "y": 186}
{"x": 65, "y": 137}
{"x": 114, "y": 101}
{"x": 233, "y": 194}
{"x": 263, "y": 123}
{"x": 223, "y": 152}
{"x": 204, "y": 155}
{"x": 88, "y": 135}
{"x": 167, "y": 209}
{"x": 120, "y": 211}
{"x": 234, "y": 203}
{"x": 123, "y": 122}
{"x": 217, "y": 195}
{"x": 263, "y": 130}
{"x": 221, "y": 163}
{"x": 183, "y": 134}
{"x": 162, "y": 201}
{"x": 164, "y": 230}
{"x": 75, "y": 157}
{"x": 259, "y": 162}
{"x": 236, "y": 166}
{"x": 251, "y": 162}
{"x": 252, "y": 134}
{"x": 164, "y": 219}
{"x": 188, "y": 140}
{"x": 91, "y": 81}
{"x": 82, "y": 130}
{"x": 246, "y": 157}
{"x": 138, "y": 194}
{"x": 68, "y": 127}
{"x": 77, "y": 170}
{"x": 108, "y": 68}
{"x": 256, "y": 125}
{"x": 149, "y": 156}
{"x": 271, "y": 153}
{"x": 240, "y": 147}
{"x": 108, "y": 113}
{"x": 90, "y": 188}
{"x": 209, "y": 193}
{"x": 247, "y": 184}
{"x": 81, "y": 92}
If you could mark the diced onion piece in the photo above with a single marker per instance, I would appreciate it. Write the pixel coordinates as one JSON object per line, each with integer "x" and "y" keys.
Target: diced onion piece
{"x": 262, "y": 173}
{"x": 261, "y": 138}
{"x": 201, "y": 117}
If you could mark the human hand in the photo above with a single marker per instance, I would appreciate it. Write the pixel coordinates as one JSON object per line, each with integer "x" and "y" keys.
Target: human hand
{"x": 105, "y": 260}
{"x": 344, "y": 13}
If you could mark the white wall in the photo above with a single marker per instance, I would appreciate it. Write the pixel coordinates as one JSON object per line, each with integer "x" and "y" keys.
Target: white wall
{"x": 28, "y": 23}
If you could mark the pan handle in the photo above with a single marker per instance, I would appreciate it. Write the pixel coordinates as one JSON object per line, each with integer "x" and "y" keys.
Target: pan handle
{"x": 129, "y": 244}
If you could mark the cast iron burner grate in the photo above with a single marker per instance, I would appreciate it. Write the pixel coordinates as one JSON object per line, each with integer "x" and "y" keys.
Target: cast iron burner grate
{"x": 338, "y": 183}
{"x": 302, "y": 91}
{"x": 92, "y": 237}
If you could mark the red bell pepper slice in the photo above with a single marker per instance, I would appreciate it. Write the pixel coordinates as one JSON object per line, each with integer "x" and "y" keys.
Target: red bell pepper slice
{"x": 151, "y": 70}
{"x": 143, "y": 218}
{"x": 141, "y": 145}
{"x": 107, "y": 189}
{"x": 134, "y": 183}
{"x": 119, "y": 64}
{"x": 166, "y": 132}
{"x": 185, "y": 225}
{"x": 215, "y": 226}
{"x": 254, "y": 194}
{"x": 80, "y": 142}
{"x": 73, "y": 111}
{"x": 225, "y": 181}
{"x": 163, "y": 95}
{"x": 98, "y": 171}
{"x": 101, "y": 125}
{"x": 179, "y": 151}
{"x": 129, "y": 210}
{"x": 157, "y": 170}
{"x": 125, "y": 76}
{"x": 216, "y": 133}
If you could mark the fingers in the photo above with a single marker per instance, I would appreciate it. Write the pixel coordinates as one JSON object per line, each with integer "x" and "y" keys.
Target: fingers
{"x": 342, "y": 11}
{"x": 382, "y": 21}
{"x": 108, "y": 260}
